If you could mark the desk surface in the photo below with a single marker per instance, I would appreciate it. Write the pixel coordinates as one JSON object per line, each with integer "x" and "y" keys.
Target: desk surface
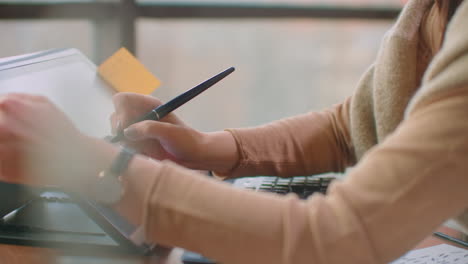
{"x": 34, "y": 255}
{"x": 13, "y": 254}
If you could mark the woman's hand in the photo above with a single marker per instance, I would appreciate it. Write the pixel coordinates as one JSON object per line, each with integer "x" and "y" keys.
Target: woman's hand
{"x": 169, "y": 138}
{"x": 40, "y": 145}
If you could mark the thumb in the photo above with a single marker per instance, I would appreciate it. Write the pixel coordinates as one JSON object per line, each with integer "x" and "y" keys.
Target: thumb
{"x": 145, "y": 130}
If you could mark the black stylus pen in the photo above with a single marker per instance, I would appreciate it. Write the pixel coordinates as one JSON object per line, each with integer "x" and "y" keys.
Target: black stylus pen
{"x": 451, "y": 239}
{"x": 161, "y": 111}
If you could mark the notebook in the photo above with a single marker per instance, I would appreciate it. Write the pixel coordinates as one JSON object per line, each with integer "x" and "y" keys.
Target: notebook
{"x": 440, "y": 254}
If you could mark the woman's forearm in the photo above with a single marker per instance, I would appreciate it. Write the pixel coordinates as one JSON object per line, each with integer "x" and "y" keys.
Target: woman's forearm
{"x": 306, "y": 144}
{"x": 137, "y": 177}
{"x": 138, "y": 181}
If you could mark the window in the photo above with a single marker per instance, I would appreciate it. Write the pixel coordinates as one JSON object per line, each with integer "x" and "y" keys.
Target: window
{"x": 285, "y": 65}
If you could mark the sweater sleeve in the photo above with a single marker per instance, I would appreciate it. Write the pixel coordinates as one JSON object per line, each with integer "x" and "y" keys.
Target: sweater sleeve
{"x": 399, "y": 192}
{"x": 306, "y": 144}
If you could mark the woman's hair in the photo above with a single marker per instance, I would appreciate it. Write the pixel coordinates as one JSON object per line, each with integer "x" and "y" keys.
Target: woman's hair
{"x": 446, "y": 9}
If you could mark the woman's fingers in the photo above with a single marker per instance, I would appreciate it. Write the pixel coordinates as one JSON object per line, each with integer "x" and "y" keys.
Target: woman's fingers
{"x": 11, "y": 162}
{"x": 116, "y": 123}
{"x": 134, "y": 104}
{"x": 10, "y": 127}
{"x": 130, "y": 106}
{"x": 147, "y": 130}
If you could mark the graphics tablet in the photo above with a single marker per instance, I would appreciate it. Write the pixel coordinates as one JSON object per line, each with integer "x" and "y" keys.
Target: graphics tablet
{"x": 49, "y": 217}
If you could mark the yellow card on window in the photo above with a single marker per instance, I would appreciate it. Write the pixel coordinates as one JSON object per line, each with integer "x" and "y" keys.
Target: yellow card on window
{"x": 126, "y": 74}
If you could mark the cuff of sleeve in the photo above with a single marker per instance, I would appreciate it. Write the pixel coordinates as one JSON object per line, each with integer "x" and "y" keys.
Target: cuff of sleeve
{"x": 241, "y": 161}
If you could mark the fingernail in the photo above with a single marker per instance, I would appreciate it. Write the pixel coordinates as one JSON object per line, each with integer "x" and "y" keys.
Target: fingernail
{"x": 117, "y": 128}
{"x": 131, "y": 133}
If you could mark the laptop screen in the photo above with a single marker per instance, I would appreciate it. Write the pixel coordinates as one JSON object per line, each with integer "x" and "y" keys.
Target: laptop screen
{"x": 71, "y": 81}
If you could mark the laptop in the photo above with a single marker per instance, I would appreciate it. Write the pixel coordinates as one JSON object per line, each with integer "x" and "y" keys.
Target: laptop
{"x": 47, "y": 216}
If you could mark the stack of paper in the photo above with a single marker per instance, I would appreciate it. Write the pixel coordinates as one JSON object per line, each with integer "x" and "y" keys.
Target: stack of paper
{"x": 441, "y": 254}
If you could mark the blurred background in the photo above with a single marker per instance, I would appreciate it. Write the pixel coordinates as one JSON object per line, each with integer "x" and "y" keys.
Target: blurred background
{"x": 291, "y": 56}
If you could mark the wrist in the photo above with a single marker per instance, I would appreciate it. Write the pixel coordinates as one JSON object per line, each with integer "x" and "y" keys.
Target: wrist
{"x": 220, "y": 151}
{"x": 93, "y": 155}
{"x": 110, "y": 186}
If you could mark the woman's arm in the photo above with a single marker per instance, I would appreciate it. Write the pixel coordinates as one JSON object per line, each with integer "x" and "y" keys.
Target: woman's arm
{"x": 400, "y": 191}
{"x": 300, "y": 145}
{"x": 306, "y": 144}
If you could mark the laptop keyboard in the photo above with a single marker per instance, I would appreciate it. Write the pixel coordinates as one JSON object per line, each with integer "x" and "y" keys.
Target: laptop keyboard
{"x": 303, "y": 186}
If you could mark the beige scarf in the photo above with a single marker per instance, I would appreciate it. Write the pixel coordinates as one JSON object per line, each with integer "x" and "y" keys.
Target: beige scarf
{"x": 401, "y": 76}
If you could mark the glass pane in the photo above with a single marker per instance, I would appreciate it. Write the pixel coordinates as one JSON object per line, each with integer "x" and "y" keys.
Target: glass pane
{"x": 284, "y": 67}
{"x": 26, "y": 36}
